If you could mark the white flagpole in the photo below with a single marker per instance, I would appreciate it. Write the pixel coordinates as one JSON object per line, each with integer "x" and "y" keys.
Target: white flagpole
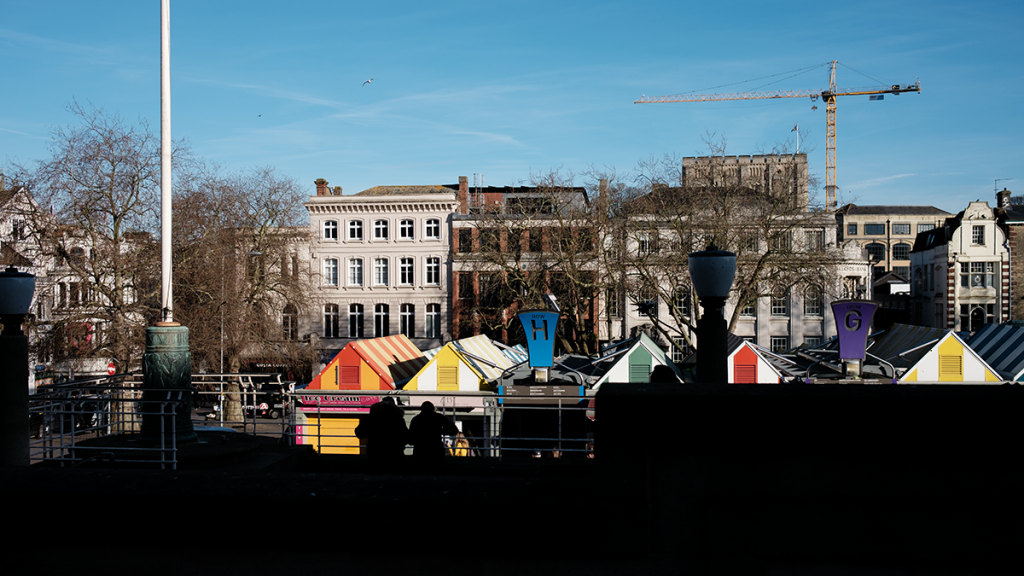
{"x": 166, "y": 300}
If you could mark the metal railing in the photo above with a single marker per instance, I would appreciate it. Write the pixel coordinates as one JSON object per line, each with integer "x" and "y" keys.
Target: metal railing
{"x": 69, "y": 420}
{"x": 492, "y": 425}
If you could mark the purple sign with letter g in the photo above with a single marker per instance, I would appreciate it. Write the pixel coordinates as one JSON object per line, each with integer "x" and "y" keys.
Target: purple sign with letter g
{"x": 853, "y": 320}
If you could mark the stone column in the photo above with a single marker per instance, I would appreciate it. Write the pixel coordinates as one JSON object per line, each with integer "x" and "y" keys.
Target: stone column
{"x": 167, "y": 375}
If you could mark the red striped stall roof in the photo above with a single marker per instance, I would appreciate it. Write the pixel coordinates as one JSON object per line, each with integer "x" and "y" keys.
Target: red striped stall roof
{"x": 395, "y": 358}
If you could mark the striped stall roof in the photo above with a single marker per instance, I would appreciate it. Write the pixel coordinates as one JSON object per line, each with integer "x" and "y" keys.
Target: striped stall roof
{"x": 481, "y": 353}
{"x": 1002, "y": 347}
{"x": 395, "y": 358}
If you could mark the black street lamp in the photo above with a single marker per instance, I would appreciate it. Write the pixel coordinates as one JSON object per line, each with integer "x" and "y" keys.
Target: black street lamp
{"x": 712, "y": 272}
{"x": 16, "y": 290}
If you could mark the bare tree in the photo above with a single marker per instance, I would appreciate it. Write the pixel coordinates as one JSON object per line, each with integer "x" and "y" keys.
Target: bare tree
{"x": 765, "y": 213}
{"x": 101, "y": 184}
{"x": 536, "y": 240}
{"x": 242, "y": 274}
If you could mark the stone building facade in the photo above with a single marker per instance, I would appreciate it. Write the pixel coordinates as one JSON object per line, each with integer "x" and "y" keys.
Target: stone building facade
{"x": 383, "y": 257}
{"x": 887, "y": 233}
{"x": 961, "y": 271}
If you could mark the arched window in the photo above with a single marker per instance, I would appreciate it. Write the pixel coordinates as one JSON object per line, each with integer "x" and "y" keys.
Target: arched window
{"x": 433, "y": 321}
{"x": 355, "y": 321}
{"x": 330, "y": 229}
{"x": 330, "y": 321}
{"x": 901, "y": 251}
{"x": 813, "y": 304}
{"x": 681, "y": 301}
{"x": 407, "y": 320}
{"x": 876, "y": 251}
{"x": 381, "y": 320}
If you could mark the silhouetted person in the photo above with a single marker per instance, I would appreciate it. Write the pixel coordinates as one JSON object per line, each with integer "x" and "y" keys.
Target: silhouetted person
{"x": 384, "y": 432}
{"x": 425, "y": 433}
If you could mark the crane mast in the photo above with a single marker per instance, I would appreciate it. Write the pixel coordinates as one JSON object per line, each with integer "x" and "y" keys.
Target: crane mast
{"x": 828, "y": 96}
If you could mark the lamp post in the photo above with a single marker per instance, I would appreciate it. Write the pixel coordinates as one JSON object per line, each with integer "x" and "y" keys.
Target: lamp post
{"x": 16, "y": 290}
{"x": 712, "y": 272}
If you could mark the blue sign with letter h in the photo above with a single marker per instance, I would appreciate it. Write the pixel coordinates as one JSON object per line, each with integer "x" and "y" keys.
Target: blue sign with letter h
{"x": 539, "y": 327}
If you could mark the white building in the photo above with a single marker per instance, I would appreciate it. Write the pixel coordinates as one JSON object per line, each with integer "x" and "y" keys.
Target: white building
{"x": 961, "y": 271}
{"x": 384, "y": 261}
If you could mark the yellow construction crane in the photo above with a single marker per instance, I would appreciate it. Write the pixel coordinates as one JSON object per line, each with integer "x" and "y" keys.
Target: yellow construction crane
{"x": 829, "y": 96}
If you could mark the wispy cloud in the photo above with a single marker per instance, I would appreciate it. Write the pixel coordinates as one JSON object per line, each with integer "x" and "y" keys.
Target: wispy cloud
{"x": 25, "y": 134}
{"x": 291, "y": 95}
{"x": 879, "y": 181}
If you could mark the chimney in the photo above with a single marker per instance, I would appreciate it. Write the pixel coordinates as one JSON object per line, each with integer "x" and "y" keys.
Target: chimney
{"x": 337, "y": 190}
{"x": 322, "y": 189}
{"x": 1003, "y": 198}
{"x": 464, "y": 194}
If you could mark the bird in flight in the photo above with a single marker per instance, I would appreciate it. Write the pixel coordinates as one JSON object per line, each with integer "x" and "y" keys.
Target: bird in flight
{"x": 368, "y": 81}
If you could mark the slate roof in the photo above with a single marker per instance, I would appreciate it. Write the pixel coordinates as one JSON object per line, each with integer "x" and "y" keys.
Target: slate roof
{"x": 409, "y": 190}
{"x": 903, "y": 345}
{"x": 896, "y": 210}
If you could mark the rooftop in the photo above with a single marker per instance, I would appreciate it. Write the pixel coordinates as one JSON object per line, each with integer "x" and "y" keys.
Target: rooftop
{"x": 900, "y": 210}
{"x": 409, "y": 190}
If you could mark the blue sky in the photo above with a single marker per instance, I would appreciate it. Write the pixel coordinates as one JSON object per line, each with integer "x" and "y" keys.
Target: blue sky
{"x": 514, "y": 89}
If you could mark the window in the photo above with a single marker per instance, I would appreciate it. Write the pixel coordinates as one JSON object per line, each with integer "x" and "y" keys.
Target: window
{"x": 925, "y": 227}
{"x": 355, "y": 229}
{"x": 433, "y": 230}
{"x": 381, "y": 320}
{"x": 647, "y": 243}
{"x": 749, "y": 309}
{"x": 407, "y": 320}
{"x": 977, "y": 274}
{"x": 405, "y": 229}
{"x": 903, "y": 271}
{"x": 874, "y": 229}
{"x": 681, "y": 301}
{"x": 380, "y": 230}
{"x": 812, "y": 341}
{"x": 489, "y": 240}
{"x": 434, "y": 272}
{"x": 780, "y": 344}
{"x": 782, "y": 242}
{"x": 289, "y": 323}
{"x": 815, "y": 240}
{"x": 536, "y": 240}
{"x": 380, "y": 272}
{"x": 901, "y": 229}
{"x": 465, "y": 285}
{"x": 405, "y": 274}
{"x": 901, "y": 251}
{"x": 647, "y": 302}
{"x": 330, "y": 321}
{"x": 331, "y": 272}
{"x": 974, "y": 316}
{"x": 851, "y": 229}
{"x": 978, "y": 235}
{"x": 876, "y": 251}
{"x": 679, "y": 349}
{"x": 813, "y": 304}
{"x": 465, "y": 240}
{"x": 355, "y": 272}
{"x": 330, "y": 230}
{"x": 780, "y": 304}
{"x": 614, "y": 302}
{"x": 433, "y": 328}
{"x": 355, "y": 321}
